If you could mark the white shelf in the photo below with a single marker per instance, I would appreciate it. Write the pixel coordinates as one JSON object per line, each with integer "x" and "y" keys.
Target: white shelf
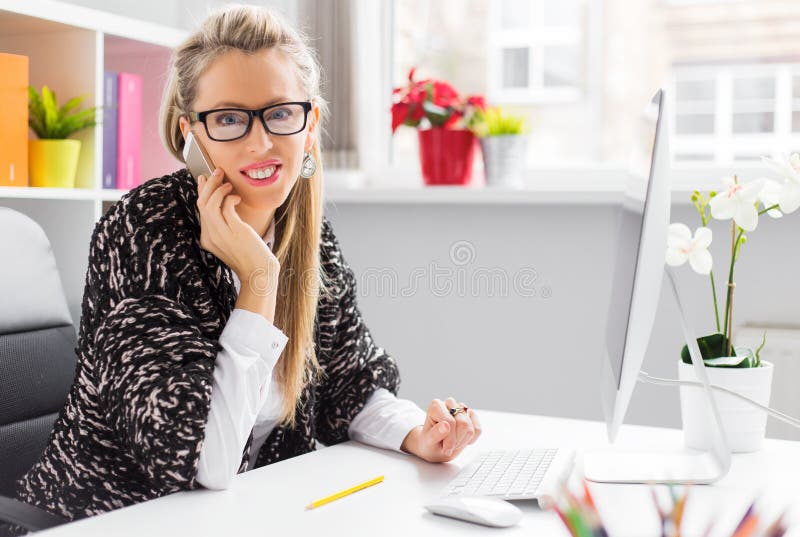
{"x": 45, "y": 16}
{"x": 35, "y": 193}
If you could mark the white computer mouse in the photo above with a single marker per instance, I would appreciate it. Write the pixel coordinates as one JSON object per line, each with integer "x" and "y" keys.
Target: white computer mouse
{"x": 478, "y": 509}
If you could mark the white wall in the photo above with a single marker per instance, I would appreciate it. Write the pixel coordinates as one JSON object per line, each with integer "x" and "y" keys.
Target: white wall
{"x": 541, "y": 355}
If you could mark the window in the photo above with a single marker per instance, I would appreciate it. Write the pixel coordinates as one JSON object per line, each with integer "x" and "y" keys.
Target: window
{"x": 726, "y": 114}
{"x": 796, "y": 103}
{"x": 581, "y": 72}
{"x": 535, "y": 50}
{"x": 526, "y": 55}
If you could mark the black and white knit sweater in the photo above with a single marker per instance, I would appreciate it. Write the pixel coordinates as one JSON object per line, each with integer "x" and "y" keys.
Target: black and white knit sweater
{"x": 154, "y": 306}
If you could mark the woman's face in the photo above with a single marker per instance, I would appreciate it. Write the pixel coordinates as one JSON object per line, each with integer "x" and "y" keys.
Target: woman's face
{"x": 239, "y": 80}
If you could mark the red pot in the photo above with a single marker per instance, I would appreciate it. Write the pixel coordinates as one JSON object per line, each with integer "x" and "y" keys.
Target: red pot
{"x": 446, "y": 156}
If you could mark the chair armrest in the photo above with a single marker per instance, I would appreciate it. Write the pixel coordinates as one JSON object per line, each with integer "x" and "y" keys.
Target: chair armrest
{"x": 28, "y": 516}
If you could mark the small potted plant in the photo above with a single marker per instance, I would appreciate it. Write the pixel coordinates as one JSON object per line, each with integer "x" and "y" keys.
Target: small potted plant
{"x": 504, "y": 141}
{"x": 53, "y": 159}
{"x": 441, "y": 117}
{"x": 736, "y": 368}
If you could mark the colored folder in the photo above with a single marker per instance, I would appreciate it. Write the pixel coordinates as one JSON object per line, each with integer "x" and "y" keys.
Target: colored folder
{"x": 129, "y": 130}
{"x": 14, "y": 111}
{"x": 110, "y": 129}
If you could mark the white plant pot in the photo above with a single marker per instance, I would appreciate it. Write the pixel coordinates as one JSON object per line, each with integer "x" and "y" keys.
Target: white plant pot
{"x": 504, "y": 159}
{"x": 744, "y": 424}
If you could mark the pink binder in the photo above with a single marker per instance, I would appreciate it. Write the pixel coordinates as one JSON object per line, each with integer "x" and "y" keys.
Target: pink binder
{"x": 129, "y": 131}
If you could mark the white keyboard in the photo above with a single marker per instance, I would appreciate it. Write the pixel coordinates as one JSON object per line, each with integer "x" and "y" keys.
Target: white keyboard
{"x": 514, "y": 474}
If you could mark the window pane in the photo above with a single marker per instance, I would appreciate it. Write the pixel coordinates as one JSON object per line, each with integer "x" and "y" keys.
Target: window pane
{"x": 561, "y": 13}
{"x": 748, "y": 157}
{"x": 754, "y": 88}
{"x": 515, "y": 14}
{"x": 795, "y": 121}
{"x": 694, "y": 124}
{"x": 693, "y": 157}
{"x": 750, "y": 123}
{"x": 796, "y": 87}
{"x": 695, "y": 90}
{"x": 515, "y": 67}
{"x": 561, "y": 66}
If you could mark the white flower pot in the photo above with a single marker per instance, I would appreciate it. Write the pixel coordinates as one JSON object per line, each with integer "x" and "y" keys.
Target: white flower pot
{"x": 744, "y": 424}
{"x": 504, "y": 159}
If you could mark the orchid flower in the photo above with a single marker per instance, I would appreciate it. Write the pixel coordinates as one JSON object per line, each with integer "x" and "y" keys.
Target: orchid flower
{"x": 737, "y": 201}
{"x": 682, "y": 247}
{"x": 788, "y": 168}
{"x": 770, "y": 196}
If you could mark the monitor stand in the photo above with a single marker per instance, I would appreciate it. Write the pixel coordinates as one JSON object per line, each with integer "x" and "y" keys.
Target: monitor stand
{"x": 668, "y": 467}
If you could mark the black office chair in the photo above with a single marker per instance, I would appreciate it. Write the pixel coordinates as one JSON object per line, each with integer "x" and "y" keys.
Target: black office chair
{"x": 37, "y": 360}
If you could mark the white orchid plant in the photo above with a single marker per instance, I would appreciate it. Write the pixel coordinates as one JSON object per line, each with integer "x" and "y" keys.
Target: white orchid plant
{"x": 743, "y": 204}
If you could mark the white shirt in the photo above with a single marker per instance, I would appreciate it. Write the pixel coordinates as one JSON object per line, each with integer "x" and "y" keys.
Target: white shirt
{"x": 245, "y": 396}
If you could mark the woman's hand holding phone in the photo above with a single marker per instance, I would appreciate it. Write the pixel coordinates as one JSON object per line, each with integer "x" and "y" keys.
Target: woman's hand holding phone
{"x": 236, "y": 243}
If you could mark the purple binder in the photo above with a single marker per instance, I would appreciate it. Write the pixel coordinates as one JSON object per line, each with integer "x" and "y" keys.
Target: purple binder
{"x": 110, "y": 129}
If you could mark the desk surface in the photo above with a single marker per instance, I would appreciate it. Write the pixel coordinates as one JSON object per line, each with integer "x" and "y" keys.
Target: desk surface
{"x": 272, "y": 500}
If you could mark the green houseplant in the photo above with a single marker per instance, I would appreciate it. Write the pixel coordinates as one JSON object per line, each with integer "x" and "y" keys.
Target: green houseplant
{"x": 503, "y": 138}
{"x": 737, "y": 368}
{"x": 53, "y": 159}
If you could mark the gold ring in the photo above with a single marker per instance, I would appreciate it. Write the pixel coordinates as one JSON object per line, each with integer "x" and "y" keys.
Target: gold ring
{"x": 458, "y": 410}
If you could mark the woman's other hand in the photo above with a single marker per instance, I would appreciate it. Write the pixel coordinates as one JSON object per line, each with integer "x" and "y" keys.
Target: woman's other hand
{"x": 443, "y": 436}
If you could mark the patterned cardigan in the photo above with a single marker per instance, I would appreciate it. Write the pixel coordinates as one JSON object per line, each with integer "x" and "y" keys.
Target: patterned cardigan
{"x": 154, "y": 306}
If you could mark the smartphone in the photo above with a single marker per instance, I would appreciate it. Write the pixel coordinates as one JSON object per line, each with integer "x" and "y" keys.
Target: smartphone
{"x": 197, "y": 160}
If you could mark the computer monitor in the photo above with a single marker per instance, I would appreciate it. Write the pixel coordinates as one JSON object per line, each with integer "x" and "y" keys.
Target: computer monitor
{"x": 634, "y": 294}
{"x": 642, "y": 223}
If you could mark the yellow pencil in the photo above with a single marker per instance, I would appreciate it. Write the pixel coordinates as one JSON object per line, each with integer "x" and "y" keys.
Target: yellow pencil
{"x": 338, "y": 495}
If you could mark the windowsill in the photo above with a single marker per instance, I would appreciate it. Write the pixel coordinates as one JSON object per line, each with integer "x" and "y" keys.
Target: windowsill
{"x": 581, "y": 185}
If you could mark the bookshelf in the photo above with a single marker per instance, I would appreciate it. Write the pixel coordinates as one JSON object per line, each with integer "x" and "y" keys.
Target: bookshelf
{"x": 69, "y": 48}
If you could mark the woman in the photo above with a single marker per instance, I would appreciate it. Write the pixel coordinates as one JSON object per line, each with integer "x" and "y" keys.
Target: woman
{"x": 219, "y": 329}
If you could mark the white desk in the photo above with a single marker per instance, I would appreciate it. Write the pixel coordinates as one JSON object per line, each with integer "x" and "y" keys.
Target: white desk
{"x": 272, "y": 500}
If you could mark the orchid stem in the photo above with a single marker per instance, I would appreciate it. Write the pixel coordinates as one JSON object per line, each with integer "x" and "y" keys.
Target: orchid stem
{"x": 762, "y": 211}
{"x": 714, "y": 294}
{"x": 735, "y": 243}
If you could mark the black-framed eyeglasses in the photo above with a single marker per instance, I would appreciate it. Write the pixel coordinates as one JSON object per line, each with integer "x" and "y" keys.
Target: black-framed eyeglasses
{"x": 228, "y": 124}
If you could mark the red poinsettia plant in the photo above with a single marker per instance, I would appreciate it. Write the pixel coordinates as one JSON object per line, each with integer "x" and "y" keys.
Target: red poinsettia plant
{"x": 433, "y": 103}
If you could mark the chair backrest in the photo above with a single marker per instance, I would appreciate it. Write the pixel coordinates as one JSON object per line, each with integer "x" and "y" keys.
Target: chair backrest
{"x": 37, "y": 345}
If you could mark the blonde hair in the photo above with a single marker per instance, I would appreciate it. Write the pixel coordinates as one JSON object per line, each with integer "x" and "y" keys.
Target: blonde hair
{"x": 298, "y": 220}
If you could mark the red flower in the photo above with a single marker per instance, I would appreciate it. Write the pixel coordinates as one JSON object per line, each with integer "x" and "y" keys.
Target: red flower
{"x": 444, "y": 95}
{"x": 449, "y": 110}
{"x": 453, "y": 121}
{"x": 399, "y": 114}
{"x": 478, "y": 101}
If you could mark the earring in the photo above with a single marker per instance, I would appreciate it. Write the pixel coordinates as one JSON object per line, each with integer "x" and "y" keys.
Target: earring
{"x": 309, "y": 166}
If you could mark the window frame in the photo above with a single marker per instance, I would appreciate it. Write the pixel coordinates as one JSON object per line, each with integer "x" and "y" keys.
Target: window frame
{"x": 724, "y": 144}
{"x": 536, "y": 38}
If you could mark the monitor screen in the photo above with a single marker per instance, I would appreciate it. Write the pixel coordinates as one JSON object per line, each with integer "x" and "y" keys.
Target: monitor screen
{"x": 630, "y": 222}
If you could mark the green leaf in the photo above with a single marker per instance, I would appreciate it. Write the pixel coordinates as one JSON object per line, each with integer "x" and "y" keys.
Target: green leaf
{"x": 70, "y": 105}
{"x": 758, "y": 350}
{"x": 49, "y": 121}
{"x": 728, "y": 361}
{"x": 35, "y": 112}
{"x": 50, "y": 108}
{"x": 437, "y": 115}
{"x": 712, "y": 346}
{"x": 494, "y": 121}
{"x": 714, "y": 350}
